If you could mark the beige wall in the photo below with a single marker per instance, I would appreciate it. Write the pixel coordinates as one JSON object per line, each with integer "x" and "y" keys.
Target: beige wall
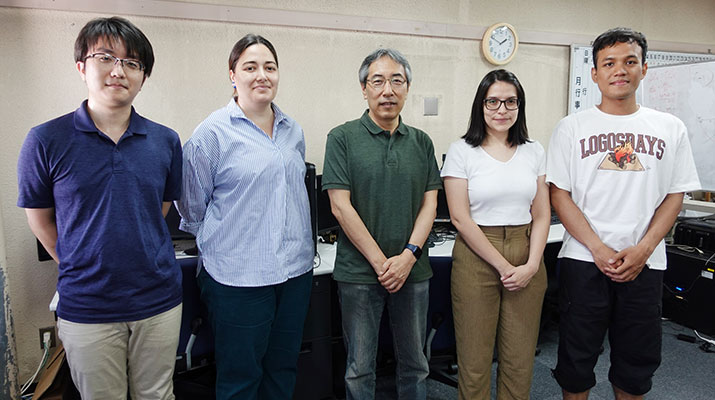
{"x": 318, "y": 86}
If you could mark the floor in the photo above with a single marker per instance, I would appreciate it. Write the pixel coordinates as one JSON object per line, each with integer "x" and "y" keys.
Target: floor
{"x": 686, "y": 371}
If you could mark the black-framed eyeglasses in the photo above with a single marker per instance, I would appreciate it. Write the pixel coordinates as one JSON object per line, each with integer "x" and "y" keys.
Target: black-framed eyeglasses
{"x": 494, "y": 103}
{"x": 109, "y": 61}
{"x": 396, "y": 82}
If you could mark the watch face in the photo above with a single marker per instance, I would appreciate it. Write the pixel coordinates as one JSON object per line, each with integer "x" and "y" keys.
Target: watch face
{"x": 502, "y": 43}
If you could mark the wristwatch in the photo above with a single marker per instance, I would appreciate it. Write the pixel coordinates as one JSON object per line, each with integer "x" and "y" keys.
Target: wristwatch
{"x": 416, "y": 251}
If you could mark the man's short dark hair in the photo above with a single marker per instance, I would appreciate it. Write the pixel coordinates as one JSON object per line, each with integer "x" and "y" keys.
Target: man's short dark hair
{"x": 619, "y": 35}
{"x": 115, "y": 29}
{"x": 395, "y": 55}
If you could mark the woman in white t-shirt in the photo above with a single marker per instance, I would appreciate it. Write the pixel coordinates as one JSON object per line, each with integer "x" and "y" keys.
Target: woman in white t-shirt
{"x": 494, "y": 179}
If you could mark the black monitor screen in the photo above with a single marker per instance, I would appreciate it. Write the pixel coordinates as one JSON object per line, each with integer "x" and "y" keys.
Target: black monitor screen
{"x": 442, "y": 208}
{"x": 172, "y": 221}
{"x": 311, "y": 185}
{"x": 326, "y": 219}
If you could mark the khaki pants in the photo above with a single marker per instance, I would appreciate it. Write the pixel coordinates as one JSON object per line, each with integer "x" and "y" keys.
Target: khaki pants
{"x": 484, "y": 311}
{"x": 103, "y": 358}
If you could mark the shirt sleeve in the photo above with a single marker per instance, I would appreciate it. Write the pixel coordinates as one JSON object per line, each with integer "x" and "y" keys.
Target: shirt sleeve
{"x": 558, "y": 158}
{"x": 540, "y": 159}
{"x": 434, "y": 182}
{"x": 172, "y": 190}
{"x": 34, "y": 179}
{"x": 335, "y": 166}
{"x": 197, "y": 183}
{"x": 301, "y": 145}
{"x": 454, "y": 162}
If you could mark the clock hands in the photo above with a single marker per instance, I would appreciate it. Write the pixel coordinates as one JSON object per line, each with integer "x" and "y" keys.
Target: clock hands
{"x": 500, "y": 43}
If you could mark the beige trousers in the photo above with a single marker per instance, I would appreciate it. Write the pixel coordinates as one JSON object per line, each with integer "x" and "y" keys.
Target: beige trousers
{"x": 485, "y": 312}
{"x": 104, "y": 358}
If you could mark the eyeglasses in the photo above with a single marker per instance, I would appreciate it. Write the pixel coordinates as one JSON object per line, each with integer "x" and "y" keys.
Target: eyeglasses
{"x": 494, "y": 104}
{"x": 378, "y": 83}
{"x": 109, "y": 61}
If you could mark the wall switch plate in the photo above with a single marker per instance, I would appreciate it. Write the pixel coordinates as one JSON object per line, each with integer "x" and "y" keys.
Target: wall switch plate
{"x": 431, "y": 106}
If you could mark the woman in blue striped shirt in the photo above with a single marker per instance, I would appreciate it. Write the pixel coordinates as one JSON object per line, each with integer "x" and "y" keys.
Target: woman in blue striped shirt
{"x": 244, "y": 198}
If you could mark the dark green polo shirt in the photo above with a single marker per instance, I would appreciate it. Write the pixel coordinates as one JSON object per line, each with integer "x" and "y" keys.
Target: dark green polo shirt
{"x": 387, "y": 176}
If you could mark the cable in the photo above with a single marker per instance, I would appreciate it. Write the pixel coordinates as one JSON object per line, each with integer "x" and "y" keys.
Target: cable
{"x": 703, "y": 338}
{"x": 706, "y": 262}
{"x": 317, "y": 260}
{"x": 189, "y": 345}
{"x": 46, "y": 355}
{"x": 440, "y": 234}
{"x": 687, "y": 249}
{"x": 708, "y": 344}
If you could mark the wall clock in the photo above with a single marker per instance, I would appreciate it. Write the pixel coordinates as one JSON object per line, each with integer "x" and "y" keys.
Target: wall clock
{"x": 499, "y": 43}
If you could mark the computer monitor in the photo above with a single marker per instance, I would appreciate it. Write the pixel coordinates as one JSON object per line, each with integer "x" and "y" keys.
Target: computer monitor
{"x": 42, "y": 254}
{"x": 442, "y": 208}
{"x": 326, "y": 219}
{"x": 172, "y": 222}
{"x": 311, "y": 185}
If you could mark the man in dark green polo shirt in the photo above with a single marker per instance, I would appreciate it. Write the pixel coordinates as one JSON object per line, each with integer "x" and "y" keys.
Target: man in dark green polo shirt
{"x": 382, "y": 179}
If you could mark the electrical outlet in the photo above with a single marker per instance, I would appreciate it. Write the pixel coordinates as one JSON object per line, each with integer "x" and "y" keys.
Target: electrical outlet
{"x": 53, "y": 339}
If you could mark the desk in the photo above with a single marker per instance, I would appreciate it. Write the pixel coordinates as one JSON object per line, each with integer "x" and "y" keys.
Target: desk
{"x": 326, "y": 259}
{"x": 315, "y": 367}
{"x": 443, "y": 250}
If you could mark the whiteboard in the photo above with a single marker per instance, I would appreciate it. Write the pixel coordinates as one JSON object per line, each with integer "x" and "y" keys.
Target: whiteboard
{"x": 688, "y": 92}
{"x": 584, "y": 93}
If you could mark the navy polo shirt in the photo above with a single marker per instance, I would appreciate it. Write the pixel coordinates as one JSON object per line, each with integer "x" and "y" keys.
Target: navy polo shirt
{"x": 116, "y": 257}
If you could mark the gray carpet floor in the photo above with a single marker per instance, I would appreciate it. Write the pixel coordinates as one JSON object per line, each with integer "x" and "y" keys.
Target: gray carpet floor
{"x": 686, "y": 373}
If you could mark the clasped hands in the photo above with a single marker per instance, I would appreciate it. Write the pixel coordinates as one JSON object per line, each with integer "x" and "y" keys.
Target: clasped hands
{"x": 393, "y": 273}
{"x": 624, "y": 265}
{"x": 517, "y": 278}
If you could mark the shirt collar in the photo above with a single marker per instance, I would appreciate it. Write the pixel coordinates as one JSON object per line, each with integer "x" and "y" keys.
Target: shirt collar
{"x": 234, "y": 111}
{"x": 83, "y": 122}
{"x": 375, "y": 129}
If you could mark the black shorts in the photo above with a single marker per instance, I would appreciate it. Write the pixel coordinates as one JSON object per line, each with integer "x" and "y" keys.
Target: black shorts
{"x": 591, "y": 304}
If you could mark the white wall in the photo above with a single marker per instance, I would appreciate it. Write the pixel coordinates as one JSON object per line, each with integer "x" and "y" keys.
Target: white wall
{"x": 318, "y": 84}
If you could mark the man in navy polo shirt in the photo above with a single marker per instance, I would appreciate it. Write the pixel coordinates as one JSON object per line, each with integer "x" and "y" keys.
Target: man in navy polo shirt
{"x": 96, "y": 184}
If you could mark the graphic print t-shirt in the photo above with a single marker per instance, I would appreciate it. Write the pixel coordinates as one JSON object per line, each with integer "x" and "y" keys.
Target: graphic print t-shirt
{"x": 619, "y": 168}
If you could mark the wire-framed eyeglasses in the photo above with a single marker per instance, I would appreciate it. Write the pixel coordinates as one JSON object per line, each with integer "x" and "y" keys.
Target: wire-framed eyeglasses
{"x": 396, "y": 82}
{"x": 109, "y": 61}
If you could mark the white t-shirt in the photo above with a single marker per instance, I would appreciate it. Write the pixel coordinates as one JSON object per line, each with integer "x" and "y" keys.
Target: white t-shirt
{"x": 619, "y": 168}
{"x": 500, "y": 193}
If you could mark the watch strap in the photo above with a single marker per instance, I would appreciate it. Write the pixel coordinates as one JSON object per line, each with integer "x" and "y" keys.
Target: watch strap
{"x": 416, "y": 250}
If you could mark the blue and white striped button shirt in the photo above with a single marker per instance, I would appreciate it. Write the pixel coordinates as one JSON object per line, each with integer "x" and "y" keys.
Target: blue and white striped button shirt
{"x": 244, "y": 199}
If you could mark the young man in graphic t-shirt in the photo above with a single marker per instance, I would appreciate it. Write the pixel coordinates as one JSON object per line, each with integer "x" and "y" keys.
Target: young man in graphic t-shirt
{"x": 618, "y": 172}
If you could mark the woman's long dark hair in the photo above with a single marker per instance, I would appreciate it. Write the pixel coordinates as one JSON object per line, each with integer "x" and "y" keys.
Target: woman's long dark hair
{"x": 477, "y": 131}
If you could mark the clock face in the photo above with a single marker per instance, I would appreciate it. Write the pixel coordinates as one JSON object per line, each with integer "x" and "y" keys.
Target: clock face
{"x": 499, "y": 44}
